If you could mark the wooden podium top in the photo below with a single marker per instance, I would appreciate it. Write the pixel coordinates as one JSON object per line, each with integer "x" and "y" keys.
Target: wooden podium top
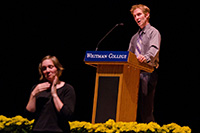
{"x": 95, "y": 58}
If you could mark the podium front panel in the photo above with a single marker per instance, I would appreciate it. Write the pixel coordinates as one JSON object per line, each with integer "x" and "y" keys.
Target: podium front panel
{"x": 107, "y": 98}
{"x": 116, "y": 84}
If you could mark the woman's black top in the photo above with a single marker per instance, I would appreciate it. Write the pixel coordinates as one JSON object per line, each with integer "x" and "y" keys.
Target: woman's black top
{"x": 47, "y": 118}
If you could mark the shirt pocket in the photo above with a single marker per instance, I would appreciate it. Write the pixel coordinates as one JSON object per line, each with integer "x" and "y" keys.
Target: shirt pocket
{"x": 145, "y": 40}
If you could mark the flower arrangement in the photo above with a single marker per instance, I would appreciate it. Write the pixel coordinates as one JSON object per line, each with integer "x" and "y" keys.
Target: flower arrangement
{"x": 18, "y": 124}
{"x": 111, "y": 126}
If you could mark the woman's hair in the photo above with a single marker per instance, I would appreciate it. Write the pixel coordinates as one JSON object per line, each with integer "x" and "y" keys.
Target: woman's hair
{"x": 144, "y": 9}
{"x": 55, "y": 62}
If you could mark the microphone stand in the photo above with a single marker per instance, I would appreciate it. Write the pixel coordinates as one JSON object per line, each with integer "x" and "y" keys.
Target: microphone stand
{"x": 107, "y": 35}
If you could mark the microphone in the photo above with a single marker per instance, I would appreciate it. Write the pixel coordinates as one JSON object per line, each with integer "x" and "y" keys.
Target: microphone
{"x": 120, "y": 24}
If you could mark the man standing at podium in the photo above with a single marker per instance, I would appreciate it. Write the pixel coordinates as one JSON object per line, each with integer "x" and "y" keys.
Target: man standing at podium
{"x": 146, "y": 46}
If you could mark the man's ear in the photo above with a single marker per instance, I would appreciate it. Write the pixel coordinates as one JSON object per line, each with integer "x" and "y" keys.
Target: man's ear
{"x": 147, "y": 15}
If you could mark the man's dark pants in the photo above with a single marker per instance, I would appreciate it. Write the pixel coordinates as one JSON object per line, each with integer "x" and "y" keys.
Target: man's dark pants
{"x": 148, "y": 82}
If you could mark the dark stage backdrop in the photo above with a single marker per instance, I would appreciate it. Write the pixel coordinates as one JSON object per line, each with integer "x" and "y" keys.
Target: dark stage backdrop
{"x": 31, "y": 30}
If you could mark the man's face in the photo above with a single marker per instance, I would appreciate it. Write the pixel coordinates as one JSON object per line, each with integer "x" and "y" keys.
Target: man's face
{"x": 140, "y": 17}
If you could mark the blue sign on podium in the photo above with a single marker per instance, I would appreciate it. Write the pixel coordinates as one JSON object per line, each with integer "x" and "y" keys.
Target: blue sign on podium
{"x": 121, "y": 56}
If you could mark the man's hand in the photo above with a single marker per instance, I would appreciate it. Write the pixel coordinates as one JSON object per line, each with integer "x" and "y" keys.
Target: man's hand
{"x": 141, "y": 58}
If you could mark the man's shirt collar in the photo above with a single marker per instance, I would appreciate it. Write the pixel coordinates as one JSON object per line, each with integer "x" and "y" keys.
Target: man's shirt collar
{"x": 144, "y": 29}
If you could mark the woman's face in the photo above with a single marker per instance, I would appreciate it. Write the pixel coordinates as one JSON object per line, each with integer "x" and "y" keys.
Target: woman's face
{"x": 49, "y": 70}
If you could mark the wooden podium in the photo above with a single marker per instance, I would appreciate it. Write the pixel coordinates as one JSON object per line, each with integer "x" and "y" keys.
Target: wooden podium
{"x": 116, "y": 85}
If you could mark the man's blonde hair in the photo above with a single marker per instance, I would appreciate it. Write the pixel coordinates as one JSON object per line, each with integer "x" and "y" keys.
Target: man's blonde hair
{"x": 144, "y": 9}
{"x": 55, "y": 62}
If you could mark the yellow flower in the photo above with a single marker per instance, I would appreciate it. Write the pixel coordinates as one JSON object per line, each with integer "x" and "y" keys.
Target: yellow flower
{"x": 109, "y": 126}
{"x": 95, "y": 126}
{"x": 8, "y": 123}
{"x": 1, "y": 126}
{"x": 19, "y": 123}
{"x": 172, "y": 126}
{"x": 100, "y": 129}
{"x": 3, "y": 118}
{"x": 153, "y": 126}
{"x": 163, "y": 129}
{"x": 186, "y": 129}
{"x": 89, "y": 127}
{"x": 141, "y": 127}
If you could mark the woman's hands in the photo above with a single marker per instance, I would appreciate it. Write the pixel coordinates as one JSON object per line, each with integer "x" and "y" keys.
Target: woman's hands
{"x": 53, "y": 86}
{"x": 40, "y": 87}
{"x": 57, "y": 102}
{"x": 31, "y": 106}
{"x": 45, "y": 86}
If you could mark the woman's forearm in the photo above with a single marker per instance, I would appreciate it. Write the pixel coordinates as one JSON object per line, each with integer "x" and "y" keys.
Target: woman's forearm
{"x": 57, "y": 102}
{"x": 31, "y": 106}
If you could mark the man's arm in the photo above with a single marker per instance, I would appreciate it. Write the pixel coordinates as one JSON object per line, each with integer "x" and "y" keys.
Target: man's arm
{"x": 154, "y": 46}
